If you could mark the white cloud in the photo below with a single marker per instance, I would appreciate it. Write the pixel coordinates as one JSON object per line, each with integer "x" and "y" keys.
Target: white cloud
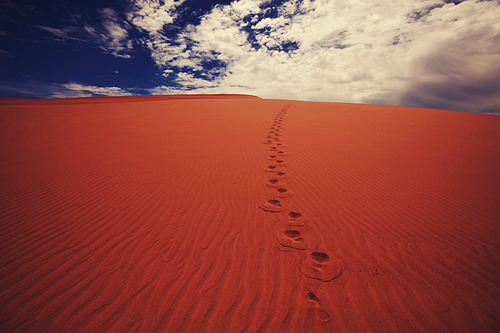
{"x": 348, "y": 51}
{"x": 74, "y": 89}
{"x": 457, "y": 73}
{"x": 111, "y": 35}
{"x": 5, "y": 54}
{"x": 38, "y": 89}
{"x": 152, "y": 15}
{"x": 114, "y": 39}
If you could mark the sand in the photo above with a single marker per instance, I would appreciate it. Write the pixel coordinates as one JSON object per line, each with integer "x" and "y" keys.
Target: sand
{"x": 239, "y": 214}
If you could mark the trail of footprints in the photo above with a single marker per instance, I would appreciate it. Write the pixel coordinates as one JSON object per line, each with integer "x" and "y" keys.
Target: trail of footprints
{"x": 295, "y": 231}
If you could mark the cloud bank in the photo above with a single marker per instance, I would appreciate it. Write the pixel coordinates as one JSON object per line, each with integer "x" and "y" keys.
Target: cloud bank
{"x": 425, "y": 53}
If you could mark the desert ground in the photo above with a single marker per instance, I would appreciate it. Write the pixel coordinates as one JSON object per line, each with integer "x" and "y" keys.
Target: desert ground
{"x": 231, "y": 213}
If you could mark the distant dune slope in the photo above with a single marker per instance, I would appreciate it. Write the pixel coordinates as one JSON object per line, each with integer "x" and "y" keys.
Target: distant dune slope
{"x": 239, "y": 214}
{"x": 119, "y": 99}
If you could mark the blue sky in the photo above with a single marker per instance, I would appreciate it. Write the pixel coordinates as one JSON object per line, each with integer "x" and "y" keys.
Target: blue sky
{"x": 425, "y": 53}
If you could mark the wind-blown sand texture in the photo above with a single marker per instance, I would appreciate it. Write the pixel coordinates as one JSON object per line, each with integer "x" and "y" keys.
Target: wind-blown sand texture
{"x": 238, "y": 214}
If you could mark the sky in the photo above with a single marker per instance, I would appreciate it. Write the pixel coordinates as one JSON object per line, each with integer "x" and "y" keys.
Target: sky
{"x": 440, "y": 54}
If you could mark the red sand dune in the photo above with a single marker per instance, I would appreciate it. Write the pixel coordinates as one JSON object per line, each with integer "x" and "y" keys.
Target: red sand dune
{"x": 160, "y": 214}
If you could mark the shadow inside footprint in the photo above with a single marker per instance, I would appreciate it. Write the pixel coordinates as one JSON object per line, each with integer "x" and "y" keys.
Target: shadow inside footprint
{"x": 273, "y": 183}
{"x": 272, "y": 206}
{"x": 271, "y": 168}
{"x": 314, "y": 303}
{"x": 319, "y": 266}
{"x": 292, "y": 238}
{"x": 296, "y": 219}
{"x": 294, "y": 234}
{"x": 283, "y": 193}
{"x": 320, "y": 257}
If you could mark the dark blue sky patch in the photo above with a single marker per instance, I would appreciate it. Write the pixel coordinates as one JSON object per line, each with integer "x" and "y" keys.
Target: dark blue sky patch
{"x": 252, "y": 38}
{"x": 213, "y": 69}
{"x": 340, "y": 46}
{"x": 287, "y": 46}
{"x": 190, "y": 12}
{"x": 269, "y": 9}
{"x": 251, "y": 32}
{"x": 419, "y": 14}
{"x": 209, "y": 64}
{"x": 455, "y": 2}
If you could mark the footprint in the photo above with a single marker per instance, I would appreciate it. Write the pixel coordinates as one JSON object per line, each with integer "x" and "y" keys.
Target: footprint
{"x": 268, "y": 142}
{"x": 280, "y": 175}
{"x": 273, "y": 182}
{"x": 273, "y": 148}
{"x": 280, "y": 162}
{"x": 272, "y": 206}
{"x": 280, "y": 152}
{"x": 292, "y": 238}
{"x": 271, "y": 168}
{"x": 314, "y": 303}
{"x": 296, "y": 219}
{"x": 283, "y": 193}
{"x": 271, "y": 157}
{"x": 319, "y": 266}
